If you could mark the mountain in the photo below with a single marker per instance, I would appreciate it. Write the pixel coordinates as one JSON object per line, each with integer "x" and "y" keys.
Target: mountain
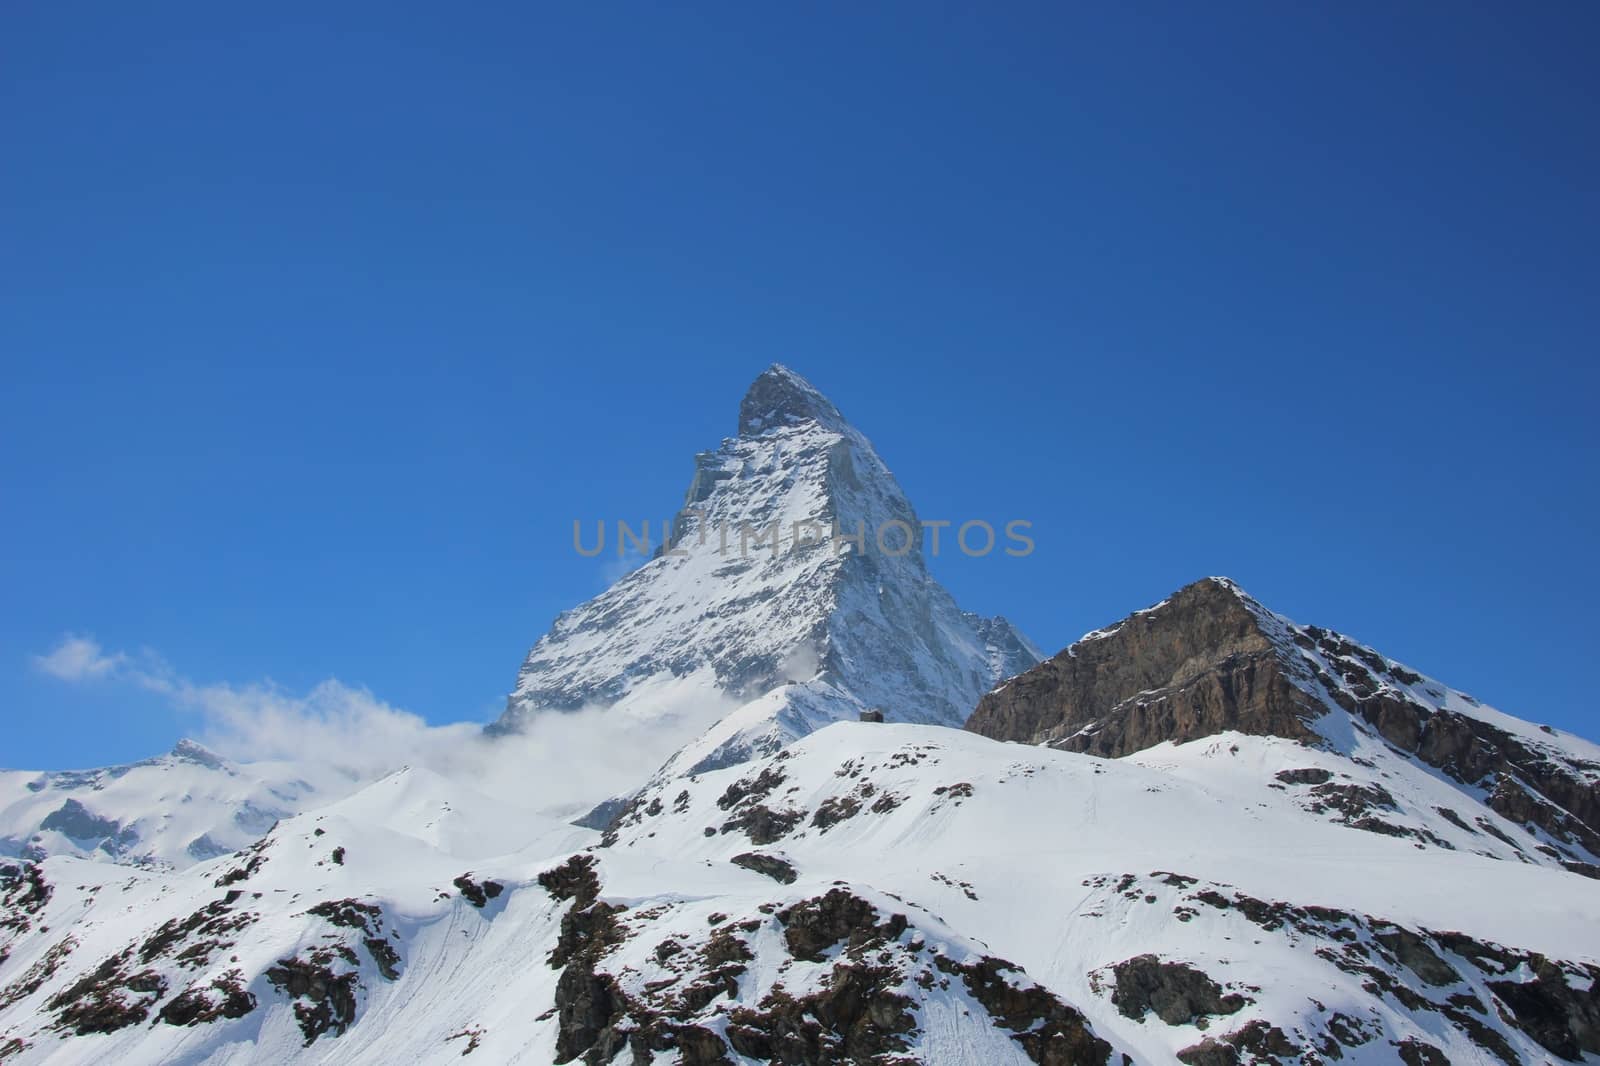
{"x": 167, "y": 812}
{"x": 1266, "y": 865}
{"x": 1419, "y": 759}
{"x": 872, "y": 893}
{"x": 1205, "y": 834}
{"x": 781, "y": 640}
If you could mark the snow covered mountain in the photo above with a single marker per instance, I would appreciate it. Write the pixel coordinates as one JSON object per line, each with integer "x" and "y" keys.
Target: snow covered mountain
{"x": 1205, "y": 834}
{"x": 785, "y": 639}
{"x": 1276, "y": 869}
{"x": 167, "y": 812}
{"x": 873, "y": 893}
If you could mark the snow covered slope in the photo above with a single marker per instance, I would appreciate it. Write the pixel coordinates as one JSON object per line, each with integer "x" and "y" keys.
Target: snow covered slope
{"x": 874, "y": 893}
{"x": 169, "y": 811}
{"x": 793, "y": 638}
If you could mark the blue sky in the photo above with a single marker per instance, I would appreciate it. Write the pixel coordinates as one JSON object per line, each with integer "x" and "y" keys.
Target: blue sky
{"x": 319, "y": 328}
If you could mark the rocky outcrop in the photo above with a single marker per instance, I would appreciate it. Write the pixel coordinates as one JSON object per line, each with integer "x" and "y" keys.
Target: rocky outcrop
{"x": 1210, "y": 659}
{"x": 780, "y": 870}
{"x": 1197, "y": 664}
{"x": 849, "y": 985}
{"x": 1177, "y": 992}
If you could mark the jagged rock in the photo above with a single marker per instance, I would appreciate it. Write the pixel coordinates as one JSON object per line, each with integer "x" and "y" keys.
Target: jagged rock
{"x": 224, "y": 997}
{"x": 478, "y": 894}
{"x": 108, "y": 998}
{"x": 325, "y": 1000}
{"x": 780, "y": 870}
{"x": 1257, "y": 1042}
{"x": 1177, "y": 992}
{"x": 76, "y": 820}
{"x": 1198, "y": 664}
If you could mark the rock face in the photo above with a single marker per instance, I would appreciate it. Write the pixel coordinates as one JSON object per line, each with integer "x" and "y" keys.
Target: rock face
{"x": 1210, "y": 660}
{"x": 1197, "y": 664}
{"x": 752, "y": 601}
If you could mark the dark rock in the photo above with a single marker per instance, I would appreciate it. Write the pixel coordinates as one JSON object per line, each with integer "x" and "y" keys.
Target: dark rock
{"x": 833, "y": 810}
{"x": 751, "y": 789}
{"x": 79, "y": 823}
{"x": 1257, "y": 1042}
{"x": 100, "y": 1001}
{"x": 224, "y": 997}
{"x": 1414, "y": 1052}
{"x": 475, "y": 893}
{"x": 1197, "y": 665}
{"x": 324, "y": 1001}
{"x": 199, "y": 935}
{"x": 1308, "y": 776}
{"x": 1418, "y": 956}
{"x": 1561, "y": 1019}
{"x": 762, "y": 824}
{"x": 1176, "y": 991}
{"x": 778, "y": 869}
{"x": 1050, "y": 1032}
{"x": 815, "y": 925}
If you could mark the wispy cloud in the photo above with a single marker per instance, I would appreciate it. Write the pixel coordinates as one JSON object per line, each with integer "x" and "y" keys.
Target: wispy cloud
{"x": 563, "y": 763}
{"x": 78, "y": 658}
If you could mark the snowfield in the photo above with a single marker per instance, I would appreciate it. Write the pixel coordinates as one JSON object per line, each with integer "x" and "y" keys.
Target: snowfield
{"x": 1063, "y": 866}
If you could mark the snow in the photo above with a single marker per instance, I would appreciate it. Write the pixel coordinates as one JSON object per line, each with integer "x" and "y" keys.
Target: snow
{"x": 1237, "y": 855}
{"x": 1024, "y": 862}
{"x": 882, "y": 632}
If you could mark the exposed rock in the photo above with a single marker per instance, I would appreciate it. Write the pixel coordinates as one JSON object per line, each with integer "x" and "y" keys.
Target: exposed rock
{"x": 1177, "y": 992}
{"x": 224, "y": 997}
{"x": 366, "y": 918}
{"x": 253, "y": 857}
{"x": 1209, "y": 659}
{"x": 78, "y": 822}
{"x": 1195, "y": 665}
{"x": 1414, "y": 1052}
{"x": 194, "y": 939}
{"x": 1050, "y": 1032}
{"x": 1308, "y": 776}
{"x": 1563, "y": 1019}
{"x": 475, "y": 893}
{"x": 780, "y": 870}
{"x": 1418, "y": 956}
{"x": 762, "y": 824}
{"x": 324, "y": 1000}
{"x": 1257, "y": 1042}
{"x": 108, "y": 998}
{"x": 815, "y": 925}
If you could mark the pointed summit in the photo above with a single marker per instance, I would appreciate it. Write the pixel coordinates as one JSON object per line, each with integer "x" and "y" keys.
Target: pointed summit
{"x": 755, "y": 613}
{"x": 780, "y": 397}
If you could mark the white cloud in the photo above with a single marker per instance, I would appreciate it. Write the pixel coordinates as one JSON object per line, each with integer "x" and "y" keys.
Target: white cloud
{"x": 563, "y": 763}
{"x": 78, "y": 659}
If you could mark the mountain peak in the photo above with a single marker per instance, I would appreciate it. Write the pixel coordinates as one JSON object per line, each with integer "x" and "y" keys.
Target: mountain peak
{"x": 788, "y": 632}
{"x": 781, "y": 397}
{"x": 192, "y": 751}
{"x": 1210, "y": 660}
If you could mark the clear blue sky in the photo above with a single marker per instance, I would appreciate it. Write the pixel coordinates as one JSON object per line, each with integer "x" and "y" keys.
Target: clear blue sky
{"x": 319, "y": 328}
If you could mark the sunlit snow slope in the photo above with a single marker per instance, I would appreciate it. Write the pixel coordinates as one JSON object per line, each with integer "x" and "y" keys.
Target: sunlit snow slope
{"x": 797, "y": 637}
